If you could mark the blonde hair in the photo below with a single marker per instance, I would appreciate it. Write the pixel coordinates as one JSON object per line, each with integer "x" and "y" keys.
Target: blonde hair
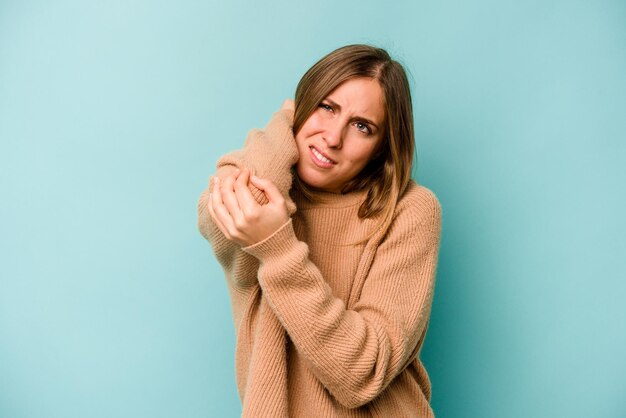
{"x": 388, "y": 173}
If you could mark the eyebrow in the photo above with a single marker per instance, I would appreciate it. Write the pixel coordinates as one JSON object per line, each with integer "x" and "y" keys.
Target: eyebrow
{"x": 335, "y": 104}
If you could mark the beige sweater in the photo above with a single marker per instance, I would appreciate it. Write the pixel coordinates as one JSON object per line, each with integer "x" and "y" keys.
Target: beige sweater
{"x": 325, "y": 328}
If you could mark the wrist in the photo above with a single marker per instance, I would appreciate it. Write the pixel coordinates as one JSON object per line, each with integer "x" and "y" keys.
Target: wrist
{"x": 275, "y": 245}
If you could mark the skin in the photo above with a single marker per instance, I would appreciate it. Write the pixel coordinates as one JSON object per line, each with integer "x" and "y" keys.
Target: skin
{"x": 239, "y": 216}
{"x": 346, "y": 128}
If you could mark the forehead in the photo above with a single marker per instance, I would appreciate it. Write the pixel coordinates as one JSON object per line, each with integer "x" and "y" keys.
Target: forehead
{"x": 361, "y": 97}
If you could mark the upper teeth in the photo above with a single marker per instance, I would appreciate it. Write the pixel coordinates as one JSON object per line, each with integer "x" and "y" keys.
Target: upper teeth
{"x": 320, "y": 156}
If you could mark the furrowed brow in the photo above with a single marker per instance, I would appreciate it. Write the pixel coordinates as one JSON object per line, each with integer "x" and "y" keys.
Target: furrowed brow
{"x": 361, "y": 118}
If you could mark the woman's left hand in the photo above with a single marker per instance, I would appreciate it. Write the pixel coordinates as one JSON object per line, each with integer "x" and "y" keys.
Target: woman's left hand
{"x": 239, "y": 216}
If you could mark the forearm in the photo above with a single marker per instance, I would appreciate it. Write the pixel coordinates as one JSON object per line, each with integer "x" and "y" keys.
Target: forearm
{"x": 356, "y": 352}
{"x": 270, "y": 153}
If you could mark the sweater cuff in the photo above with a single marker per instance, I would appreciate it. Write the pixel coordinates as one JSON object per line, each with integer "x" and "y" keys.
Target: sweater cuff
{"x": 276, "y": 245}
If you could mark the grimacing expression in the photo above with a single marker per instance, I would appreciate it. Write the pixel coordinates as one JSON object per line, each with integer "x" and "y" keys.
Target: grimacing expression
{"x": 342, "y": 135}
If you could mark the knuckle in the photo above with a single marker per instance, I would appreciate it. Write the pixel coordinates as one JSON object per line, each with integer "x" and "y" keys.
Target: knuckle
{"x": 240, "y": 222}
{"x": 252, "y": 215}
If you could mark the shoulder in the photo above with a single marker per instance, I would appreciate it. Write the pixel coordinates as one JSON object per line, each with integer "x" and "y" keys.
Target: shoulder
{"x": 416, "y": 224}
{"x": 418, "y": 205}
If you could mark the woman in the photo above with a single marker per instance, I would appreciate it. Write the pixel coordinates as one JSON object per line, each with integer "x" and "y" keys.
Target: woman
{"x": 329, "y": 248}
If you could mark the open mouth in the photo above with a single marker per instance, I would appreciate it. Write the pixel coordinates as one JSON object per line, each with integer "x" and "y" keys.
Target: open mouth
{"x": 320, "y": 158}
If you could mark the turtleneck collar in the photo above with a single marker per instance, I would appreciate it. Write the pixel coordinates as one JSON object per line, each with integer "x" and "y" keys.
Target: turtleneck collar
{"x": 327, "y": 199}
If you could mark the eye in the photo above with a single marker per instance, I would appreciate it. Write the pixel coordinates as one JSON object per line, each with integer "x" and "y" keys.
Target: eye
{"x": 326, "y": 107}
{"x": 363, "y": 127}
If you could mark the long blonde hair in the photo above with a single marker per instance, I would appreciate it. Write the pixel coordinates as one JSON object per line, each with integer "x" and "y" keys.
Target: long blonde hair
{"x": 388, "y": 173}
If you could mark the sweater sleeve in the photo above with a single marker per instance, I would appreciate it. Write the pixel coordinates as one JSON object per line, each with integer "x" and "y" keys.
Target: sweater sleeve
{"x": 268, "y": 153}
{"x": 357, "y": 352}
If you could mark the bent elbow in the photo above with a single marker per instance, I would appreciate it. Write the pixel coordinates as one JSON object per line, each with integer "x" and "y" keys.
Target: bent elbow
{"x": 356, "y": 393}
{"x": 355, "y": 399}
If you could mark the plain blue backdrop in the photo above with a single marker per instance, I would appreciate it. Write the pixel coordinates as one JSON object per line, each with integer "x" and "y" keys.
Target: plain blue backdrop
{"x": 112, "y": 115}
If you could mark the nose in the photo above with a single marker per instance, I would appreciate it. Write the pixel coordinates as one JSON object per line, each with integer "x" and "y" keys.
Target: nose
{"x": 333, "y": 134}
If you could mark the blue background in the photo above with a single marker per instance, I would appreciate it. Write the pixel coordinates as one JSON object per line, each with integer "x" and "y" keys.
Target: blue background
{"x": 112, "y": 115}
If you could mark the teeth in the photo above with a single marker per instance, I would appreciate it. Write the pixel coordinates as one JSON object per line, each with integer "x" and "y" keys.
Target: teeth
{"x": 320, "y": 156}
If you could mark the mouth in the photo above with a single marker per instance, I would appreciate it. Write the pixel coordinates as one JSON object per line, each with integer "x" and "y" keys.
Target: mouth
{"x": 320, "y": 159}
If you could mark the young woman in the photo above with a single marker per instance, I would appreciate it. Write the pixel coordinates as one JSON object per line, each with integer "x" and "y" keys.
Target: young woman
{"x": 329, "y": 248}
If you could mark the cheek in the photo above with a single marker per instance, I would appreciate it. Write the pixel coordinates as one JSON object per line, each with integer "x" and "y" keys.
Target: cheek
{"x": 363, "y": 155}
{"x": 300, "y": 143}
{"x": 302, "y": 133}
{"x": 303, "y": 149}
{"x": 308, "y": 130}
{"x": 312, "y": 125}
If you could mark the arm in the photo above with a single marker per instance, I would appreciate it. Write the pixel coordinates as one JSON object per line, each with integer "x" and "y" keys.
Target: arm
{"x": 270, "y": 153}
{"x": 356, "y": 353}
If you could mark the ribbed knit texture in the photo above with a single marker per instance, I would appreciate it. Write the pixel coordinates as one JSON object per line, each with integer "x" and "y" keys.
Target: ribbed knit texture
{"x": 327, "y": 328}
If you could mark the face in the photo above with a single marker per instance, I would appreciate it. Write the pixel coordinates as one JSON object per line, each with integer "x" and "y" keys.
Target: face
{"x": 342, "y": 135}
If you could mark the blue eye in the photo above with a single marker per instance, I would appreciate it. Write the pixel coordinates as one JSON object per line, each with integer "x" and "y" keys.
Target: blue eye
{"x": 363, "y": 127}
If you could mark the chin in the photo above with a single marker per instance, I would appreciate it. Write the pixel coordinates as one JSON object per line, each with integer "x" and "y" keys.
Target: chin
{"x": 313, "y": 180}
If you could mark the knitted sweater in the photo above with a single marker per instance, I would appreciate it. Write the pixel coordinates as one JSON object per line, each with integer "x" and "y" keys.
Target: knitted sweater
{"x": 324, "y": 327}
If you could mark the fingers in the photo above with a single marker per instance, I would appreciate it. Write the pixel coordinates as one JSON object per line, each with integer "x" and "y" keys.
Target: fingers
{"x": 218, "y": 211}
{"x": 215, "y": 219}
{"x": 246, "y": 222}
{"x": 270, "y": 190}
{"x": 228, "y": 194}
{"x": 226, "y": 203}
{"x": 247, "y": 202}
